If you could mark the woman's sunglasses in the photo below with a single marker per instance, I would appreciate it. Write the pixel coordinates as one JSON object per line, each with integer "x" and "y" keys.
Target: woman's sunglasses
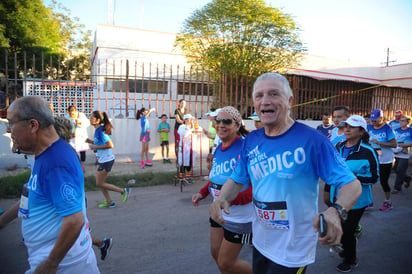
{"x": 227, "y": 121}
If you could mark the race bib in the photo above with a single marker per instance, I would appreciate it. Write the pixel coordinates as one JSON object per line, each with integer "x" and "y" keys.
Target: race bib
{"x": 214, "y": 190}
{"x": 273, "y": 215}
{"x": 24, "y": 203}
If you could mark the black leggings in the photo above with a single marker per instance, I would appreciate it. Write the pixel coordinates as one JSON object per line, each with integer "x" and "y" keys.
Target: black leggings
{"x": 384, "y": 172}
{"x": 348, "y": 238}
{"x": 82, "y": 156}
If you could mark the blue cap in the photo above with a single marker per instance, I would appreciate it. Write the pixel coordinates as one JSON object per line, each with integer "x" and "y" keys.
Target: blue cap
{"x": 254, "y": 117}
{"x": 376, "y": 114}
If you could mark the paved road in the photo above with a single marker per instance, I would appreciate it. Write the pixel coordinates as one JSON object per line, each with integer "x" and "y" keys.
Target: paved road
{"x": 159, "y": 231}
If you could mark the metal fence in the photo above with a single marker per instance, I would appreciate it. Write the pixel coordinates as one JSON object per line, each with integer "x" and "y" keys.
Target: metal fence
{"x": 124, "y": 86}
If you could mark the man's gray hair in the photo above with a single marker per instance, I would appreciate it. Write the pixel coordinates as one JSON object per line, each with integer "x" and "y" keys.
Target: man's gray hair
{"x": 34, "y": 107}
{"x": 275, "y": 76}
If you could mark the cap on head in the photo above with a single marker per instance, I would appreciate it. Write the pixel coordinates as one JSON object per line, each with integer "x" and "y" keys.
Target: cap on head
{"x": 376, "y": 114}
{"x": 187, "y": 116}
{"x": 215, "y": 113}
{"x": 254, "y": 117}
{"x": 398, "y": 113}
{"x": 355, "y": 121}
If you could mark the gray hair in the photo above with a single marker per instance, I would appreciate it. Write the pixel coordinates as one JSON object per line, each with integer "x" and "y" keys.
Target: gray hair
{"x": 275, "y": 76}
{"x": 34, "y": 107}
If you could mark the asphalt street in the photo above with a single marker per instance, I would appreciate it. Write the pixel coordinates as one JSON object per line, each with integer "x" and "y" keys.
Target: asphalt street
{"x": 159, "y": 231}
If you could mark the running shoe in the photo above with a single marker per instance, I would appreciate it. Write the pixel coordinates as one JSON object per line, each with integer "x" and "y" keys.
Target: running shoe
{"x": 148, "y": 162}
{"x": 346, "y": 266}
{"x": 142, "y": 164}
{"x": 105, "y": 204}
{"x": 386, "y": 206}
{"x": 358, "y": 231}
{"x": 105, "y": 249}
{"x": 125, "y": 194}
{"x": 164, "y": 161}
{"x": 407, "y": 182}
{"x": 168, "y": 161}
{"x": 395, "y": 191}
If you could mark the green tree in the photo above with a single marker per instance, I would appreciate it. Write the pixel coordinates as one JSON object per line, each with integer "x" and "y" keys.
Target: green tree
{"x": 240, "y": 37}
{"x": 42, "y": 42}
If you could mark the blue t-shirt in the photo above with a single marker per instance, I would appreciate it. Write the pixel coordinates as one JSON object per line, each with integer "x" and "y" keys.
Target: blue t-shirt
{"x": 224, "y": 162}
{"x": 395, "y": 124}
{"x": 403, "y": 136}
{"x": 383, "y": 134}
{"x": 335, "y": 137}
{"x": 327, "y": 131}
{"x": 144, "y": 123}
{"x": 101, "y": 138}
{"x": 164, "y": 135}
{"x": 55, "y": 190}
{"x": 284, "y": 171}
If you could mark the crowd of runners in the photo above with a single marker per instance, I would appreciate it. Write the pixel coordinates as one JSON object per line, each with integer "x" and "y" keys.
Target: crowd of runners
{"x": 264, "y": 182}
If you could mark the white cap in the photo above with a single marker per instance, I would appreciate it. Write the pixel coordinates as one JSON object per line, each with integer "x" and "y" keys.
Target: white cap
{"x": 355, "y": 121}
{"x": 215, "y": 113}
{"x": 254, "y": 117}
{"x": 187, "y": 116}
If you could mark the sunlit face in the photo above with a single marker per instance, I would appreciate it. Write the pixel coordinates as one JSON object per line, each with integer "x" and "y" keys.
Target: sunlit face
{"x": 339, "y": 116}
{"x": 404, "y": 123}
{"x": 378, "y": 122}
{"x": 188, "y": 122}
{"x": 20, "y": 131}
{"x": 182, "y": 104}
{"x": 225, "y": 131}
{"x": 353, "y": 133}
{"x": 326, "y": 120}
{"x": 73, "y": 113}
{"x": 258, "y": 124}
{"x": 271, "y": 103}
{"x": 94, "y": 121}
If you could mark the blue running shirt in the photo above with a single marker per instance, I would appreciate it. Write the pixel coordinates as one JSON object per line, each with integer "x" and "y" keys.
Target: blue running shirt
{"x": 56, "y": 190}
{"x": 224, "y": 162}
{"x": 383, "y": 134}
{"x": 403, "y": 136}
{"x": 101, "y": 138}
{"x": 285, "y": 171}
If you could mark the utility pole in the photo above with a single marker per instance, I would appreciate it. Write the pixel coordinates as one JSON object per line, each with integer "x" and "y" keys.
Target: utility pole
{"x": 387, "y": 58}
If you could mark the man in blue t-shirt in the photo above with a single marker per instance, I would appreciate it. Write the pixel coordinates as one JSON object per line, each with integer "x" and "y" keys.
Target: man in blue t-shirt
{"x": 326, "y": 127}
{"x": 52, "y": 206}
{"x": 283, "y": 162}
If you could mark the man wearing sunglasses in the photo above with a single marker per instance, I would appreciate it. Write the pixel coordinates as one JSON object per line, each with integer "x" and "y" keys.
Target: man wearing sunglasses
{"x": 284, "y": 162}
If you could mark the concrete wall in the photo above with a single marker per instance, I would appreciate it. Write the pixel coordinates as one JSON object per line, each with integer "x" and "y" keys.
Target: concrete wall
{"x": 125, "y": 136}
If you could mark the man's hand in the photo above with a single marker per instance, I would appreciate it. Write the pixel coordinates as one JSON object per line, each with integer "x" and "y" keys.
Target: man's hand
{"x": 215, "y": 210}
{"x": 334, "y": 227}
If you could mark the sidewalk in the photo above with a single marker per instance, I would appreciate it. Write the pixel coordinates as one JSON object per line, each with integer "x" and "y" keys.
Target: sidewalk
{"x": 159, "y": 231}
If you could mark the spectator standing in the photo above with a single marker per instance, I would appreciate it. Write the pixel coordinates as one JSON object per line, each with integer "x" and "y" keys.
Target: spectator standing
{"x": 227, "y": 240}
{"x": 256, "y": 120}
{"x": 142, "y": 115}
{"x": 80, "y": 123}
{"x": 402, "y": 153}
{"x": 54, "y": 222}
{"x": 103, "y": 144}
{"x": 210, "y": 132}
{"x": 187, "y": 155}
{"x": 383, "y": 140}
{"x": 164, "y": 129}
{"x": 340, "y": 113}
{"x": 180, "y": 111}
{"x": 283, "y": 162}
{"x": 326, "y": 127}
{"x": 363, "y": 161}
{"x": 394, "y": 124}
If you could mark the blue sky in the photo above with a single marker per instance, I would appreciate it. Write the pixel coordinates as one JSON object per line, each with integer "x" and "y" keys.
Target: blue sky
{"x": 356, "y": 30}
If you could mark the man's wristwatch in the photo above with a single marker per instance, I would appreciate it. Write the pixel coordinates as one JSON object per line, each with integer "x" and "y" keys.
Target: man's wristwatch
{"x": 343, "y": 214}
